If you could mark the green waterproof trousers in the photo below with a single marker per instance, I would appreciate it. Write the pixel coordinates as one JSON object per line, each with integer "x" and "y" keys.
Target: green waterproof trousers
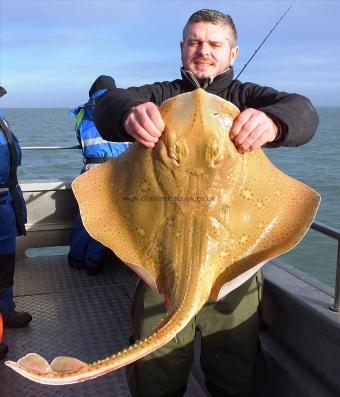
{"x": 231, "y": 357}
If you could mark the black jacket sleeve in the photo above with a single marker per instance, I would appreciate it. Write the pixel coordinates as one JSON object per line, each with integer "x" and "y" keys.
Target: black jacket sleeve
{"x": 113, "y": 106}
{"x": 294, "y": 113}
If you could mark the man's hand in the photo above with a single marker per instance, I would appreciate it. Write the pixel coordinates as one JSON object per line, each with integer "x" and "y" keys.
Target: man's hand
{"x": 252, "y": 129}
{"x": 145, "y": 124}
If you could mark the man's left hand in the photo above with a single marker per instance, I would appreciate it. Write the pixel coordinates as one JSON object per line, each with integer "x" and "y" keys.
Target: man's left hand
{"x": 252, "y": 129}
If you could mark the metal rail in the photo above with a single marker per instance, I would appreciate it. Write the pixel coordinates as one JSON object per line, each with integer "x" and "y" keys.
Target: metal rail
{"x": 335, "y": 234}
{"x": 49, "y": 147}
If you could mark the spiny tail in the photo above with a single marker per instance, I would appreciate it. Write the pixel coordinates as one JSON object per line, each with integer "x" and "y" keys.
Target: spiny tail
{"x": 67, "y": 370}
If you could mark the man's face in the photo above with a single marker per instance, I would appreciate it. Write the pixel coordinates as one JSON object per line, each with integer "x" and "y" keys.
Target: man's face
{"x": 206, "y": 51}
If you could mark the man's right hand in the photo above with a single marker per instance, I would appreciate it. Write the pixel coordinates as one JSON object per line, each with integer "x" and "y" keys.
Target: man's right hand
{"x": 145, "y": 124}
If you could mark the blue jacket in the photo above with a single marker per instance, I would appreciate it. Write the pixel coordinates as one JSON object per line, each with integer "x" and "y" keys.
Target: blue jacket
{"x": 12, "y": 204}
{"x": 92, "y": 144}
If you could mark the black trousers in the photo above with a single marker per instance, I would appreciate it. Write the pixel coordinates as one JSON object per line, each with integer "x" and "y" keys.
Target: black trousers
{"x": 7, "y": 265}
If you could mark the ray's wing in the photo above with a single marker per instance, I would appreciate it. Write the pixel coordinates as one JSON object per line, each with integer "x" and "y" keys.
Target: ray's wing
{"x": 262, "y": 213}
{"x": 120, "y": 207}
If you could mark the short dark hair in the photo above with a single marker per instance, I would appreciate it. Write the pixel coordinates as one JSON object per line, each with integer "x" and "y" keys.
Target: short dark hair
{"x": 2, "y": 91}
{"x": 215, "y": 17}
{"x": 102, "y": 82}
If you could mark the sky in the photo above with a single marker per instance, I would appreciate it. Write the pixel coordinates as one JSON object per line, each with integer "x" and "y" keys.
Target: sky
{"x": 51, "y": 51}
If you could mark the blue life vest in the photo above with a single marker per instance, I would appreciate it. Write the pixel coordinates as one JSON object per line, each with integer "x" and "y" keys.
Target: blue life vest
{"x": 12, "y": 204}
{"x": 5, "y": 152}
{"x": 93, "y": 145}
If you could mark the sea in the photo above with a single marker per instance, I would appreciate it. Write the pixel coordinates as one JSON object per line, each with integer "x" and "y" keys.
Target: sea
{"x": 317, "y": 164}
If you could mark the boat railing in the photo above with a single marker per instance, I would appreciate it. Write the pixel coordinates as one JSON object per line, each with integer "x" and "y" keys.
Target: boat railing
{"x": 335, "y": 234}
{"x": 50, "y": 147}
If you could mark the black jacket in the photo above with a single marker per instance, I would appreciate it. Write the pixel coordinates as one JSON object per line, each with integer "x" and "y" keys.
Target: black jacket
{"x": 294, "y": 113}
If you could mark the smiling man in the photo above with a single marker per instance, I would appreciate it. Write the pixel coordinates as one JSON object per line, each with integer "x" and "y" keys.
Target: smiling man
{"x": 208, "y": 50}
{"x": 230, "y": 350}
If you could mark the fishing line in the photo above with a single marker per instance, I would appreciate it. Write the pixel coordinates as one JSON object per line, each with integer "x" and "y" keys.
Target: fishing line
{"x": 263, "y": 41}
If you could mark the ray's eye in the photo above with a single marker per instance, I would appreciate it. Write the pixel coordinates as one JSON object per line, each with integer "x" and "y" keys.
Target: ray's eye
{"x": 214, "y": 155}
{"x": 177, "y": 152}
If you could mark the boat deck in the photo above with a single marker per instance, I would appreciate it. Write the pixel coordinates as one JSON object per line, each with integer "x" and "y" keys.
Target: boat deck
{"x": 77, "y": 315}
{"x": 88, "y": 317}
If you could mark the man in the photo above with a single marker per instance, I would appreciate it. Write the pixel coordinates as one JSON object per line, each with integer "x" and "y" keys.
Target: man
{"x": 230, "y": 350}
{"x": 13, "y": 218}
{"x": 85, "y": 252}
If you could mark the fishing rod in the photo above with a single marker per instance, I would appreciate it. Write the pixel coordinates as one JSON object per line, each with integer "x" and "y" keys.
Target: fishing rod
{"x": 264, "y": 40}
{"x": 50, "y": 147}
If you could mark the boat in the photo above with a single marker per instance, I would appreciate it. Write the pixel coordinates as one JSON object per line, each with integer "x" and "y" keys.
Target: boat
{"x": 88, "y": 317}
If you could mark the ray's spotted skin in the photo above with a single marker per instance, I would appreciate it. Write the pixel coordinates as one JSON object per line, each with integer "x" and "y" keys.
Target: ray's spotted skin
{"x": 192, "y": 217}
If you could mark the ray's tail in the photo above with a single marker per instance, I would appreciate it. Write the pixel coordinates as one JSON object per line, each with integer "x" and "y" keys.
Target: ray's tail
{"x": 68, "y": 370}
